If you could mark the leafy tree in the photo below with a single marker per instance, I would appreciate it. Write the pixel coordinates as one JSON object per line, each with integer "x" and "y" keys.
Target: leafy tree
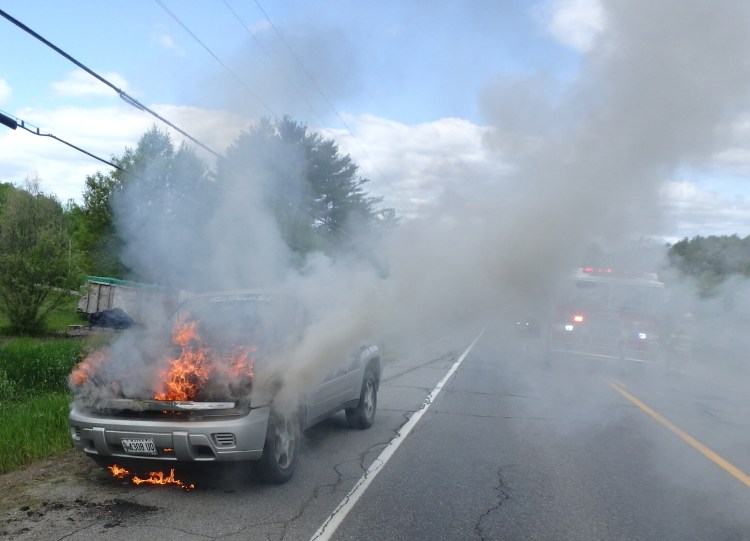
{"x": 316, "y": 193}
{"x": 5, "y": 188}
{"x": 37, "y": 267}
{"x": 156, "y": 205}
{"x": 710, "y": 260}
{"x": 168, "y": 179}
{"x": 157, "y": 181}
{"x": 93, "y": 229}
{"x": 161, "y": 219}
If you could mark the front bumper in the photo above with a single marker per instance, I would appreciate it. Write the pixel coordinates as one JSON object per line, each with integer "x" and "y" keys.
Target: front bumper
{"x": 220, "y": 439}
{"x": 577, "y": 341}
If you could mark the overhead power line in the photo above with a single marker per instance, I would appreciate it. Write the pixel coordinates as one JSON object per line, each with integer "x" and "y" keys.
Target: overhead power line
{"x": 317, "y": 87}
{"x": 228, "y": 70}
{"x": 270, "y": 57}
{"x": 14, "y": 122}
{"x": 124, "y": 95}
{"x": 314, "y": 216}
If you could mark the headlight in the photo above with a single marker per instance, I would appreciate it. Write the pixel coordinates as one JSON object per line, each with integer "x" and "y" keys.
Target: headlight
{"x": 569, "y": 328}
{"x": 642, "y": 335}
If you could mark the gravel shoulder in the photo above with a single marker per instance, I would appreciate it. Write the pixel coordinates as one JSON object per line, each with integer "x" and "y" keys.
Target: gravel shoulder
{"x": 55, "y": 497}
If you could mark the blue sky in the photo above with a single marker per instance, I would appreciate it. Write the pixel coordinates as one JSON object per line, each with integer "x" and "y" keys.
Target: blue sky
{"x": 410, "y": 79}
{"x": 409, "y": 61}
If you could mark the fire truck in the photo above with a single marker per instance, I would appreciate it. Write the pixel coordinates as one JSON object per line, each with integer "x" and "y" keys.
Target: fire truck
{"x": 606, "y": 314}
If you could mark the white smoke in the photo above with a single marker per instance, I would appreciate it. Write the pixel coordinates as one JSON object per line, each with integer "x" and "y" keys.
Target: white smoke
{"x": 587, "y": 164}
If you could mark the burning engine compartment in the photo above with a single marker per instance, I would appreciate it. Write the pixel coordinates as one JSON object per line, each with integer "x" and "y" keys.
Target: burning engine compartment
{"x": 206, "y": 365}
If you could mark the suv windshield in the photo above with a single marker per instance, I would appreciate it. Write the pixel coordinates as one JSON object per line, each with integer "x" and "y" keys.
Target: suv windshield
{"x": 223, "y": 319}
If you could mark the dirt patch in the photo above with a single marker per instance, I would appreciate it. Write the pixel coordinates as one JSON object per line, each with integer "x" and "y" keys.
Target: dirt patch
{"x": 58, "y": 496}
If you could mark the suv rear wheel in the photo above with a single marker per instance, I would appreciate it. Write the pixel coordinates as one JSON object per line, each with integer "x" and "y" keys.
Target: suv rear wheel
{"x": 364, "y": 414}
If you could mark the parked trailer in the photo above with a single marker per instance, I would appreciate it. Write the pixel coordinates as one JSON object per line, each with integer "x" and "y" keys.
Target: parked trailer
{"x": 134, "y": 298}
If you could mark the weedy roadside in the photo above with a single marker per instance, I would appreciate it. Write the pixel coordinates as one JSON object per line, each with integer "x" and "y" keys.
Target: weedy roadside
{"x": 34, "y": 399}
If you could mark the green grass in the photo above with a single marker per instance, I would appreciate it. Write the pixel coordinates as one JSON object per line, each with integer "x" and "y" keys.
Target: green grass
{"x": 34, "y": 399}
{"x": 33, "y": 428}
{"x": 34, "y": 396}
{"x": 31, "y": 366}
{"x": 64, "y": 315}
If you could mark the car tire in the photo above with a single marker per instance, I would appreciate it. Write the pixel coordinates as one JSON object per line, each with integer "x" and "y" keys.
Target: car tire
{"x": 363, "y": 416}
{"x": 281, "y": 449}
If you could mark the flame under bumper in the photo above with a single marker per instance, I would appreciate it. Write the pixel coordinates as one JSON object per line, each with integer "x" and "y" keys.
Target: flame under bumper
{"x": 220, "y": 439}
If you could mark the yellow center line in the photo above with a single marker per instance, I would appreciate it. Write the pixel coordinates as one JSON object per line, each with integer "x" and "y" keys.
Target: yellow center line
{"x": 690, "y": 440}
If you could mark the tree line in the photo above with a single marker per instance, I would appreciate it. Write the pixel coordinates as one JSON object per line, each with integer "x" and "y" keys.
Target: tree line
{"x": 317, "y": 199}
{"x": 314, "y": 192}
{"x": 709, "y": 261}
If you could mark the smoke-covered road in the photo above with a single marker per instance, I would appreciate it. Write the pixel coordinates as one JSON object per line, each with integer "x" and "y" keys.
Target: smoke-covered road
{"x": 509, "y": 449}
{"x": 516, "y": 450}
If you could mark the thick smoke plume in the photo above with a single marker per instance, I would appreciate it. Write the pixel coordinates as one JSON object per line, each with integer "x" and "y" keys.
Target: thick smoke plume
{"x": 587, "y": 159}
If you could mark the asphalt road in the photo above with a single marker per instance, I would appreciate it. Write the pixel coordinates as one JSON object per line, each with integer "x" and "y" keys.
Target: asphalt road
{"x": 510, "y": 448}
{"x": 513, "y": 449}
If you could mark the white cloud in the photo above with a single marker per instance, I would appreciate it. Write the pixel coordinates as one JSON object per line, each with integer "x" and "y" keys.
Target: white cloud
{"x": 418, "y": 165}
{"x": 574, "y": 23}
{"x": 80, "y": 84}
{"x": 692, "y": 210}
{"x": 103, "y": 131}
{"x": 216, "y": 129}
{"x": 5, "y": 91}
{"x": 163, "y": 39}
{"x": 62, "y": 170}
{"x": 411, "y": 166}
{"x": 414, "y": 166}
{"x": 260, "y": 27}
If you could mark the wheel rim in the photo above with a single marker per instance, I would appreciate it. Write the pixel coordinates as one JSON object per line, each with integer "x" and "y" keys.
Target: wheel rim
{"x": 284, "y": 444}
{"x": 369, "y": 401}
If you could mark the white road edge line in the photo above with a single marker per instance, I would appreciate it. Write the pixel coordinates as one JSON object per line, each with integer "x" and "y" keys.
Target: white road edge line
{"x": 334, "y": 520}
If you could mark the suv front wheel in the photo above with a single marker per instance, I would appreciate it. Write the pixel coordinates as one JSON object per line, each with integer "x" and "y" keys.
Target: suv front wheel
{"x": 281, "y": 449}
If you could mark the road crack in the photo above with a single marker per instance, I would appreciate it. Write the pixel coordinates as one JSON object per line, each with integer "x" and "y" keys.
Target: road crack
{"x": 502, "y": 497}
{"x": 389, "y": 377}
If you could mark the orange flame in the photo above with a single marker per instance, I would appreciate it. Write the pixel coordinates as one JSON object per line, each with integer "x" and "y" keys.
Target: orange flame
{"x": 184, "y": 331}
{"x": 155, "y": 477}
{"x": 183, "y": 376}
{"x": 87, "y": 367}
{"x": 158, "y": 478}
{"x": 240, "y": 362}
{"x": 186, "y": 375}
{"x": 189, "y": 372}
{"x": 117, "y": 471}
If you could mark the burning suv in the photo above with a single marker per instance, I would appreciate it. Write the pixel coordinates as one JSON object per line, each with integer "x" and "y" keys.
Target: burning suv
{"x": 218, "y": 391}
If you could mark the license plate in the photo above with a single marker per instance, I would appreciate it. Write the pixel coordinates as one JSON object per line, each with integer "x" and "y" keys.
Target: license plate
{"x": 139, "y": 446}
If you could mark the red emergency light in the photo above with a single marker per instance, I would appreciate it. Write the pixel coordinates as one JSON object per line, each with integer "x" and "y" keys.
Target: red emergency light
{"x": 597, "y": 270}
